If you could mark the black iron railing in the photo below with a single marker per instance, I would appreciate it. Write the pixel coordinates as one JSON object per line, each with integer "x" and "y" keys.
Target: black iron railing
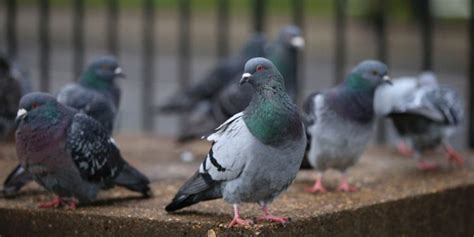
{"x": 222, "y": 38}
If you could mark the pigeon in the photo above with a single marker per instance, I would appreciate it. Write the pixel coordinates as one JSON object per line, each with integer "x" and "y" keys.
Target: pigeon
{"x": 340, "y": 121}
{"x": 218, "y": 78}
{"x": 283, "y": 52}
{"x": 425, "y": 115}
{"x": 255, "y": 155}
{"x": 69, "y": 153}
{"x": 10, "y": 95}
{"x": 96, "y": 94}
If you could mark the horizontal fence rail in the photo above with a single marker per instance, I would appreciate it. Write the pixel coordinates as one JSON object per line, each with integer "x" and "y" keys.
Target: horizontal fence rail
{"x": 222, "y": 7}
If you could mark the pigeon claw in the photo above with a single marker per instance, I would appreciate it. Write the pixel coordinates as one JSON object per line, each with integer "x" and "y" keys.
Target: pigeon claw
{"x": 427, "y": 166}
{"x": 344, "y": 186}
{"x": 404, "y": 149}
{"x": 57, "y": 202}
{"x": 317, "y": 187}
{"x": 454, "y": 156}
{"x": 272, "y": 218}
{"x": 239, "y": 221}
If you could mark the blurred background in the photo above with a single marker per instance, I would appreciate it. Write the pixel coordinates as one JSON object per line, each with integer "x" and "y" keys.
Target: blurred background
{"x": 164, "y": 45}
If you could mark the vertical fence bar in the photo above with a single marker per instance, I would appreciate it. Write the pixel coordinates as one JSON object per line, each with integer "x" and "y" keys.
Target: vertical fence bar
{"x": 298, "y": 19}
{"x": 148, "y": 61}
{"x": 380, "y": 27}
{"x": 10, "y": 25}
{"x": 259, "y": 15}
{"x": 222, "y": 28}
{"x": 426, "y": 25}
{"x": 340, "y": 46}
{"x": 184, "y": 57}
{"x": 78, "y": 38}
{"x": 470, "y": 83}
{"x": 44, "y": 43}
{"x": 112, "y": 27}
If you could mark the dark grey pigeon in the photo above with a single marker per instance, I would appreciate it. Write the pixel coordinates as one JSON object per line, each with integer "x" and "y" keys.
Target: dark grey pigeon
{"x": 69, "y": 153}
{"x": 283, "y": 53}
{"x": 218, "y": 78}
{"x": 10, "y": 94}
{"x": 96, "y": 94}
{"x": 255, "y": 155}
{"x": 424, "y": 114}
{"x": 339, "y": 121}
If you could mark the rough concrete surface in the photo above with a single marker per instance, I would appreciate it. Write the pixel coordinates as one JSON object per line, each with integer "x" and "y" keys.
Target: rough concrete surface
{"x": 395, "y": 199}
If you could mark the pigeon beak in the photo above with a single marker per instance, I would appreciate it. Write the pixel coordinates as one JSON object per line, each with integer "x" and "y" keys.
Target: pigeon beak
{"x": 386, "y": 79}
{"x": 297, "y": 42}
{"x": 245, "y": 78}
{"x": 20, "y": 115}
{"x": 119, "y": 72}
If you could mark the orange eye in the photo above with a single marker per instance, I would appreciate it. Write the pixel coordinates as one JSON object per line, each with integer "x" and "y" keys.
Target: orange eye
{"x": 259, "y": 68}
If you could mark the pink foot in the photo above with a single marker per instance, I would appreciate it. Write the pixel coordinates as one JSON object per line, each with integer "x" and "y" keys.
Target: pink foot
{"x": 317, "y": 187}
{"x": 344, "y": 186}
{"x": 404, "y": 149}
{"x": 427, "y": 166}
{"x": 240, "y": 221}
{"x": 237, "y": 220}
{"x": 57, "y": 201}
{"x": 271, "y": 218}
{"x": 454, "y": 156}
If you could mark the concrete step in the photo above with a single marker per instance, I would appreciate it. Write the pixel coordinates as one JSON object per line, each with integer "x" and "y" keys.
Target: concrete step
{"x": 394, "y": 199}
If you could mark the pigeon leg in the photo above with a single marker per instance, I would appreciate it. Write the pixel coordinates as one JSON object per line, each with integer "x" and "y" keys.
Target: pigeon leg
{"x": 269, "y": 217}
{"x": 404, "y": 149}
{"x": 344, "y": 185}
{"x": 427, "y": 166}
{"x": 237, "y": 219}
{"x": 318, "y": 186}
{"x": 453, "y": 155}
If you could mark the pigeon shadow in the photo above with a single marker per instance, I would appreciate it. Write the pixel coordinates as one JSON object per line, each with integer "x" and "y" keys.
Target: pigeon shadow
{"x": 112, "y": 201}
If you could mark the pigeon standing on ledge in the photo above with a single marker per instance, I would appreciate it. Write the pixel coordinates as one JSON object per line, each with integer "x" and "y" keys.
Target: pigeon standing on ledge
{"x": 256, "y": 154}
{"x": 69, "y": 153}
{"x": 424, "y": 114}
{"x": 340, "y": 121}
{"x": 96, "y": 94}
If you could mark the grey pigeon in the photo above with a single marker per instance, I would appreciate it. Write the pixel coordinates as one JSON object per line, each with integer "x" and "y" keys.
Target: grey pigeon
{"x": 96, "y": 94}
{"x": 255, "y": 155}
{"x": 283, "y": 53}
{"x": 424, "y": 114}
{"x": 224, "y": 72}
{"x": 69, "y": 153}
{"x": 10, "y": 95}
{"x": 339, "y": 121}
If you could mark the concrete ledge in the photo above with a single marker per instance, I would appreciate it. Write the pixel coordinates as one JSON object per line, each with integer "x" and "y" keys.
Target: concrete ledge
{"x": 395, "y": 200}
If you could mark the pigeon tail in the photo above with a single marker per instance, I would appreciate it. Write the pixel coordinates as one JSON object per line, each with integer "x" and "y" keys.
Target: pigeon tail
{"x": 18, "y": 178}
{"x": 200, "y": 187}
{"x": 132, "y": 179}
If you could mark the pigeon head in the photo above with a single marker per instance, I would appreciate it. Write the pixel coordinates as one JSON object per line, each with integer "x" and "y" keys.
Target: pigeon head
{"x": 262, "y": 74}
{"x": 36, "y": 103}
{"x": 102, "y": 73}
{"x": 254, "y": 47}
{"x": 367, "y": 76}
{"x": 291, "y": 36}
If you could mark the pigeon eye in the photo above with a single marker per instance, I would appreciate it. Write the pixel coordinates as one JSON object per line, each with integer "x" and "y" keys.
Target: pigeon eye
{"x": 375, "y": 73}
{"x": 104, "y": 67}
{"x": 259, "y": 68}
{"x": 34, "y": 105}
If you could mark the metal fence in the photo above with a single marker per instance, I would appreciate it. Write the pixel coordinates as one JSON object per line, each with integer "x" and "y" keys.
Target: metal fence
{"x": 222, "y": 34}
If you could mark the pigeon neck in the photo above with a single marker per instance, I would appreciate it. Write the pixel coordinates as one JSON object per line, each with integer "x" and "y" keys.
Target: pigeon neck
{"x": 271, "y": 116}
{"x": 92, "y": 80}
{"x": 285, "y": 59}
